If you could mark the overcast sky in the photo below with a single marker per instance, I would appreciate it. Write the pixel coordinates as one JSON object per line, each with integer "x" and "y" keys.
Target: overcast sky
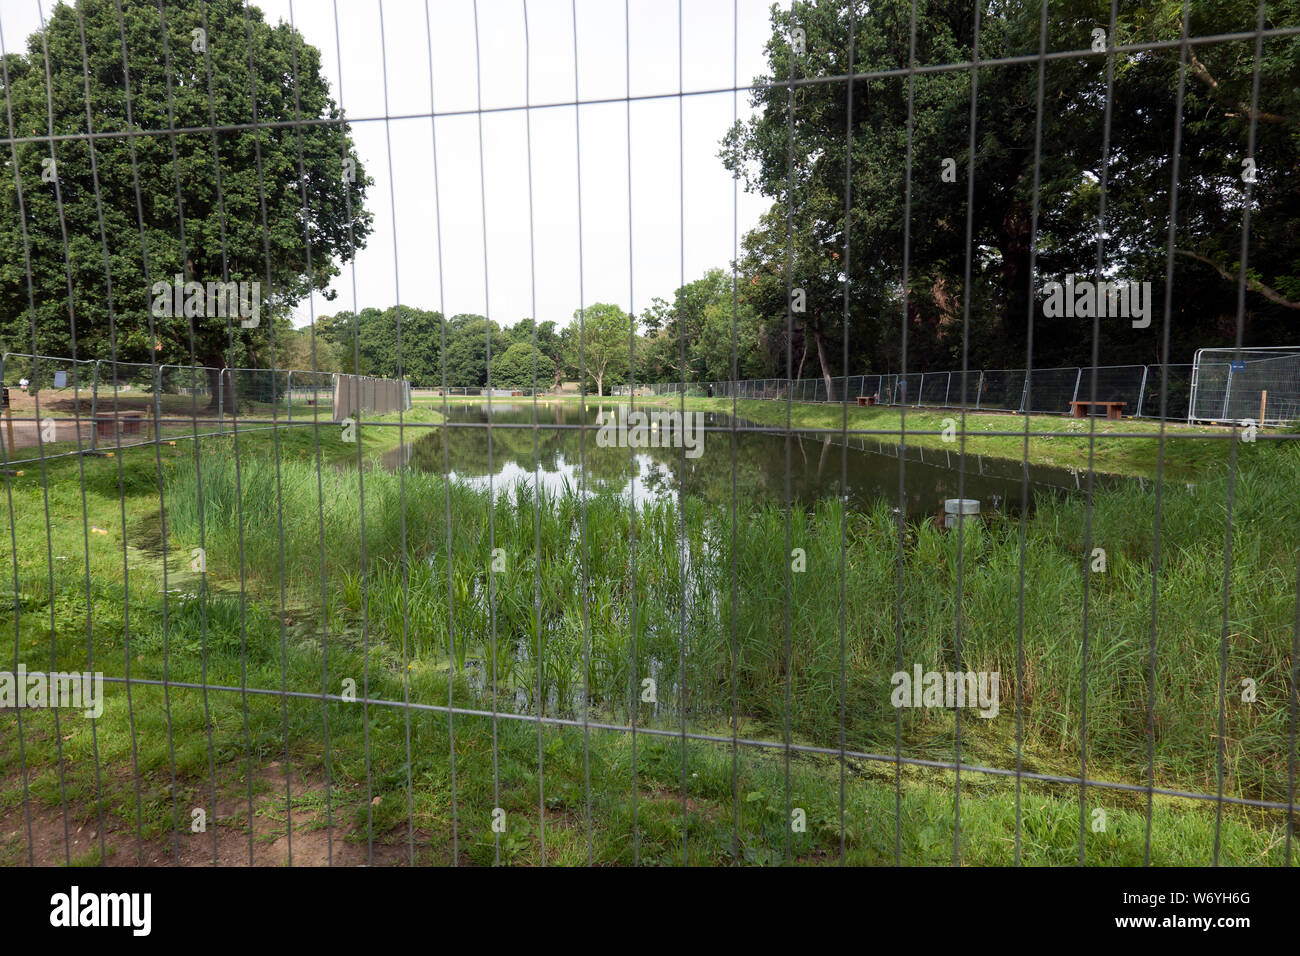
{"x": 665, "y": 168}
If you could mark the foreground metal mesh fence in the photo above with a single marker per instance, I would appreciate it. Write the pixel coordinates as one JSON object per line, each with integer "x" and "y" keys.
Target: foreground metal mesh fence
{"x": 555, "y": 631}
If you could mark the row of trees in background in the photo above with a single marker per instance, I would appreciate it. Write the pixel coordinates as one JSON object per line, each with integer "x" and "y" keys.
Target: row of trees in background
{"x": 429, "y": 352}
{"x": 694, "y": 336}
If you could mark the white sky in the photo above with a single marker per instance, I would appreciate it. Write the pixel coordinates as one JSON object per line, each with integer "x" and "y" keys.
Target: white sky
{"x": 660, "y": 238}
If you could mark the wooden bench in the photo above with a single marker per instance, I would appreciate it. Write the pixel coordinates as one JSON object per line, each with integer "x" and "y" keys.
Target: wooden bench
{"x": 109, "y": 426}
{"x": 1113, "y": 409}
{"x": 866, "y": 399}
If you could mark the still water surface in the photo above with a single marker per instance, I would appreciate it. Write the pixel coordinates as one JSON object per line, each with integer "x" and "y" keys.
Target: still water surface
{"x": 819, "y": 465}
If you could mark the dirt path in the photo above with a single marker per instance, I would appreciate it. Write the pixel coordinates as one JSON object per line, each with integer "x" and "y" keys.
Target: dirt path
{"x": 311, "y": 838}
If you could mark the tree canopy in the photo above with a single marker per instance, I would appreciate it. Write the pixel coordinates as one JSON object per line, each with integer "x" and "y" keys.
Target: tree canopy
{"x": 598, "y": 342}
{"x": 92, "y": 223}
{"x": 806, "y": 179}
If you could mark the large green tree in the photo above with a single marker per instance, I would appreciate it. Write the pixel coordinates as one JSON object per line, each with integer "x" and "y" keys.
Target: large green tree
{"x": 397, "y": 342}
{"x": 281, "y": 205}
{"x": 598, "y": 342}
{"x": 519, "y": 366}
{"x": 549, "y": 346}
{"x": 802, "y": 241}
{"x": 708, "y": 319}
{"x": 467, "y": 356}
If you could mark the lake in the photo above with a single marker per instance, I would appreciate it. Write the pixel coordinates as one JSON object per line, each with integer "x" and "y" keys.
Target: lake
{"x": 818, "y": 464}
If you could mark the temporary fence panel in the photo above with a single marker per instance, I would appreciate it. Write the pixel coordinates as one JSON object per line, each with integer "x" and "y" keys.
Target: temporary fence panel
{"x": 1247, "y": 385}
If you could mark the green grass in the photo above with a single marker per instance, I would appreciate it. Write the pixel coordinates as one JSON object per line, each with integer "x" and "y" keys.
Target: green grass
{"x": 342, "y": 617}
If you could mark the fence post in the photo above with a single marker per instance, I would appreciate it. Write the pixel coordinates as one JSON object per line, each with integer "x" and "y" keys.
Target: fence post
{"x": 288, "y": 391}
{"x": 157, "y": 403}
{"x": 1077, "y": 380}
{"x": 979, "y": 390}
{"x": 8, "y": 414}
{"x": 1142, "y": 389}
{"x": 221, "y": 400}
{"x": 94, "y": 408}
{"x": 947, "y": 392}
{"x": 1024, "y": 393}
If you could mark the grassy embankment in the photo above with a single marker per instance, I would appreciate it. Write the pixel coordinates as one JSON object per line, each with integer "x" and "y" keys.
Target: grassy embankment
{"x": 255, "y": 619}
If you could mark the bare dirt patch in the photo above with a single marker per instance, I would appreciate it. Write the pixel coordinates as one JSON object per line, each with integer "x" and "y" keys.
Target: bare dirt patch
{"x": 313, "y": 841}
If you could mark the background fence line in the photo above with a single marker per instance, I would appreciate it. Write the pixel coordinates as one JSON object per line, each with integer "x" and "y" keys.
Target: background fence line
{"x": 130, "y": 399}
{"x": 1041, "y": 390}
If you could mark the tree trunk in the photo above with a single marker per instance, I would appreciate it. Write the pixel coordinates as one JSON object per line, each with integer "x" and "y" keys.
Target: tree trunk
{"x": 821, "y": 357}
{"x": 216, "y": 382}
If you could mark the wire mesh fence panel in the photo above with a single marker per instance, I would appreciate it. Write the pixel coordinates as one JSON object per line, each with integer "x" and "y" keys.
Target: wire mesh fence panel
{"x": 933, "y": 389}
{"x": 188, "y": 400}
{"x": 1002, "y": 389}
{"x": 1050, "y": 390}
{"x": 1120, "y": 383}
{"x": 48, "y": 402}
{"x": 178, "y": 383}
{"x": 308, "y": 393}
{"x": 964, "y": 390}
{"x": 904, "y": 389}
{"x": 1259, "y": 385}
{"x": 257, "y": 395}
{"x": 128, "y": 407}
{"x": 1173, "y": 383}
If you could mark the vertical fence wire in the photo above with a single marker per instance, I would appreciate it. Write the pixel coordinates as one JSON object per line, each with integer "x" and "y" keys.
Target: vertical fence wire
{"x": 901, "y": 510}
{"x": 1157, "y": 516}
{"x": 1233, "y": 446}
